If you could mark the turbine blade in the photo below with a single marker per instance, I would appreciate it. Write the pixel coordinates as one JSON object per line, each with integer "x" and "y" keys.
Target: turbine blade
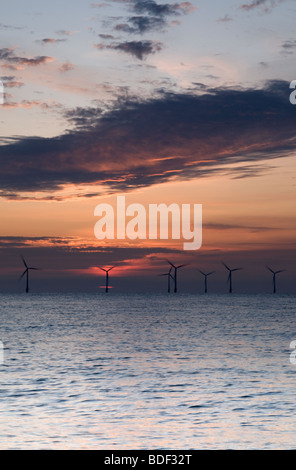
{"x": 204, "y": 274}
{"x": 280, "y": 271}
{"x": 171, "y": 263}
{"x": 237, "y": 269}
{"x": 23, "y": 274}
{"x": 226, "y": 266}
{"x": 112, "y": 267}
{"x": 102, "y": 268}
{"x": 212, "y": 272}
{"x": 24, "y": 261}
{"x": 270, "y": 269}
{"x": 35, "y": 269}
{"x": 180, "y": 266}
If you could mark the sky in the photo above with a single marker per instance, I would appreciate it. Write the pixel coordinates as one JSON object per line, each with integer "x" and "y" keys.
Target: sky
{"x": 162, "y": 102}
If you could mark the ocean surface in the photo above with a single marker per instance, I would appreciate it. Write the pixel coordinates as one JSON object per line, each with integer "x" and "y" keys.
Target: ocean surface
{"x": 111, "y": 371}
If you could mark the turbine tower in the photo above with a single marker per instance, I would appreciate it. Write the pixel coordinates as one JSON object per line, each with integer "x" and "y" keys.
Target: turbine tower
{"x": 175, "y": 273}
{"x": 206, "y": 279}
{"x": 230, "y": 275}
{"x": 274, "y": 273}
{"x": 107, "y": 276}
{"x": 169, "y": 275}
{"x": 26, "y": 272}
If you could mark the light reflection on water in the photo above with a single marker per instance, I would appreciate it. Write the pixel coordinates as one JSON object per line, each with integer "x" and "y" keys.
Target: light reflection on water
{"x": 142, "y": 372}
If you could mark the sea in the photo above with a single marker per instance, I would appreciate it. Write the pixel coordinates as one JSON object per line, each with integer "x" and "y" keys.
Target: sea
{"x": 138, "y": 371}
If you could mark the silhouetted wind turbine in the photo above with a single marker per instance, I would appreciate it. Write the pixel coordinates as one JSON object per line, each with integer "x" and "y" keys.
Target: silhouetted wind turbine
{"x": 169, "y": 275}
{"x": 230, "y": 275}
{"x": 274, "y": 277}
{"x": 206, "y": 279}
{"x": 107, "y": 276}
{"x": 175, "y": 273}
{"x": 26, "y": 272}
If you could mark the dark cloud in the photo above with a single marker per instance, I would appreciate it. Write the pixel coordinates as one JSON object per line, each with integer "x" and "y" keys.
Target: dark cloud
{"x": 140, "y": 143}
{"x": 161, "y": 9}
{"x": 106, "y": 36}
{"x": 138, "y": 49}
{"x": 148, "y": 15}
{"x": 141, "y": 24}
{"x": 50, "y": 41}
{"x": 8, "y": 55}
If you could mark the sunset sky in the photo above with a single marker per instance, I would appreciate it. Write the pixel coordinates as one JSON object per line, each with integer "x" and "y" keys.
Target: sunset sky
{"x": 177, "y": 102}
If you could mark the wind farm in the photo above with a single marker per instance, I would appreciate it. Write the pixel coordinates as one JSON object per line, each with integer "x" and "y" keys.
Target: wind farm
{"x": 172, "y": 276}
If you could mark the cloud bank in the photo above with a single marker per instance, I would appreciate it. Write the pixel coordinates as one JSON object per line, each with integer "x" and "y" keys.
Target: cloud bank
{"x": 139, "y": 143}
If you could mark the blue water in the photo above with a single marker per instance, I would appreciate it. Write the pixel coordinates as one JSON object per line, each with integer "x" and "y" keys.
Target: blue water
{"x": 110, "y": 371}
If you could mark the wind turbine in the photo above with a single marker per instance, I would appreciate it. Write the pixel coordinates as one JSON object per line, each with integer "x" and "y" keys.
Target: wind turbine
{"x": 206, "y": 279}
{"x": 274, "y": 277}
{"x": 107, "y": 276}
{"x": 230, "y": 275}
{"x": 175, "y": 273}
{"x": 26, "y": 272}
{"x": 169, "y": 275}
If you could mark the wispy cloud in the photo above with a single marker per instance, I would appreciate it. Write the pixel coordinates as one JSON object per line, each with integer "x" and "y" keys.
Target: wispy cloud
{"x": 144, "y": 142}
{"x": 46, "y": 41}
{"x": 99, "y": 5}
{"x": 289, "y": 46}
{"x": 66, "y": 67}
{"x": 225, "y": 19}
{"x": 11, "y": 27}
{"x": 65, "y": 32}
{"x": 265, "y": 5}
{"x": 27, "y": 104}
{"x": 11, "y": 82}
{"x": 9, "y": 57}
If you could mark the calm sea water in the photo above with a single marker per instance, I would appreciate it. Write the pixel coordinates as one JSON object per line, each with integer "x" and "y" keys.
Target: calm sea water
{"x": 147, "y": 372}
